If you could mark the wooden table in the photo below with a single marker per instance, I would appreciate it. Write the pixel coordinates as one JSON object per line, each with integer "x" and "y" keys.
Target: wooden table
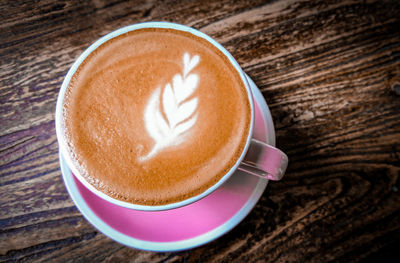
{"x": 330, "y": 72}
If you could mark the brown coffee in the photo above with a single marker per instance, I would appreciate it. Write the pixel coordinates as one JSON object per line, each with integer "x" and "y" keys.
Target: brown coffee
{"x": 155, "y": 116}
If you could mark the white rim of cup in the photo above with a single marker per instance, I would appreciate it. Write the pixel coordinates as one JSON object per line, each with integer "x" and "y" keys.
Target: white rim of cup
{"x": 59, "y": 110}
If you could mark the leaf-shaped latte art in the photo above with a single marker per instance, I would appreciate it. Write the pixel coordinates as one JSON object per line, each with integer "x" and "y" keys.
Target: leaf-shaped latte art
{"x": 179, "y": 112}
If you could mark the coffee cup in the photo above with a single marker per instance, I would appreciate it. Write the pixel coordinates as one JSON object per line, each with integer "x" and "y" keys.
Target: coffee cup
{"x": 157, "y": 115}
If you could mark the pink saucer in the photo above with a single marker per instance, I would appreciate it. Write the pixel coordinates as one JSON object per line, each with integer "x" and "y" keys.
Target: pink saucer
{"x": 182, "y": 228}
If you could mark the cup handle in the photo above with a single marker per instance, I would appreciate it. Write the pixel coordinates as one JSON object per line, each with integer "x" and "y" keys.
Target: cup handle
{"x": 264, "y": 161}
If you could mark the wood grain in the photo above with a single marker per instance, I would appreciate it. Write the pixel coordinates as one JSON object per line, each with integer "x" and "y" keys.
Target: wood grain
{"x": 330, "y": 73}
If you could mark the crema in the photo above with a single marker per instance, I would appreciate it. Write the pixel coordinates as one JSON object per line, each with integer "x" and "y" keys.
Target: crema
{"x": 155, "y": 116}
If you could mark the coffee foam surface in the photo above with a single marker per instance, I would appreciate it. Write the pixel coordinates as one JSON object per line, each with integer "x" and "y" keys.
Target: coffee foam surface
{"x": 155, "y": 116}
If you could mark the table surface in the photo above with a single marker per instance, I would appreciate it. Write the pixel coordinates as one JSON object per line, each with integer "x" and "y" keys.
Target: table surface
{"x": 330, "y": 72}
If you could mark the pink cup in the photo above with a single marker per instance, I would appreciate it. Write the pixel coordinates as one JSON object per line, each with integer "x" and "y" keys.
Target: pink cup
{"x": 257, "y": 158}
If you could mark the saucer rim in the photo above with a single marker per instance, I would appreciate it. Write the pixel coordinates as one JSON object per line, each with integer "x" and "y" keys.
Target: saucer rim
{"x": 184, "y": 244}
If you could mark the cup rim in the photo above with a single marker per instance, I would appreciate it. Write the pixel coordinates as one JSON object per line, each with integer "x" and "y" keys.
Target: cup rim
{"x": 59, "y": 111}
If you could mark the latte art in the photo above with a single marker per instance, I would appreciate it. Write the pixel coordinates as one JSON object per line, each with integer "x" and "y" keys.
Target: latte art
{"x": 155, "y": 116}
{"x": 179, "y": 112}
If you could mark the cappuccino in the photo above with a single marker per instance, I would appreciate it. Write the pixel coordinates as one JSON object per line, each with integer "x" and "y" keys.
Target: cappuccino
{"x": 155, "y": 116}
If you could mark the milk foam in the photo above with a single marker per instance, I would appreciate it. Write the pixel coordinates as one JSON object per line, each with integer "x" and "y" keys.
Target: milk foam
{"x": 179, "y": 111}
{"x": 159, "y": 124}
